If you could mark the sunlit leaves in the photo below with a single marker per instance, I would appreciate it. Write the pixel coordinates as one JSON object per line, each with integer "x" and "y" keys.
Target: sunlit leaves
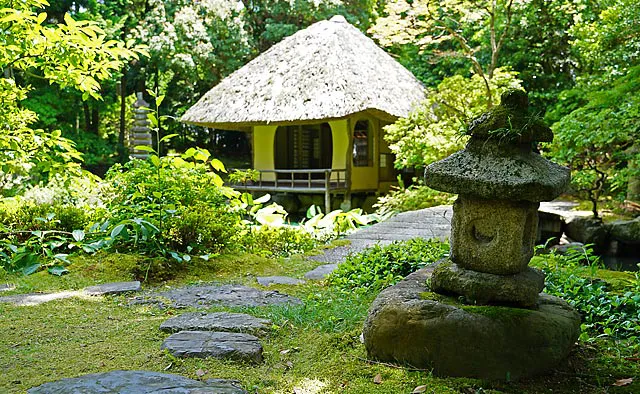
{"x": 432, "y": 132}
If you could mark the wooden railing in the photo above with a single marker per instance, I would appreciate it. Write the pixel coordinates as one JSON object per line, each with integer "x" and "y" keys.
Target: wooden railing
{"x": 325, "y": 180}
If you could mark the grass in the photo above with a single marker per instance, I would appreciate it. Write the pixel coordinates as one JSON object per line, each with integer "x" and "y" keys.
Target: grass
{"x": 314, "y": 348}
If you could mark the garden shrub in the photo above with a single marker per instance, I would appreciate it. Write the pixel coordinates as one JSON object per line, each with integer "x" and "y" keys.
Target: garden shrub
{"x": 202, "y": 228}
{"x": 27, "y": 216}
{"x": 380, "y": 266}
{"x": 277, "y": 241}
{"x": 139, "y": 189}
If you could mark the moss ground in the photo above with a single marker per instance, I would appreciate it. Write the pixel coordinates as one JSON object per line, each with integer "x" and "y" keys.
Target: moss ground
{"x": 314, "y": 348}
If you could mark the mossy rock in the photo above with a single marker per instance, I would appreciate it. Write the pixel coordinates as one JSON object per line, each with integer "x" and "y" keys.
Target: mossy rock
{"x": 409, "y": 324}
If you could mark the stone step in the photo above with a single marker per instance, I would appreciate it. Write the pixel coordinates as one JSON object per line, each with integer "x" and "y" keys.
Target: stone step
{"x": 221, "y": 345}
{"x": 136, "y": 382}
{"x": 218, "y": 321}
{"x": 278, "y": 280}
{"x": 204, "y": 296}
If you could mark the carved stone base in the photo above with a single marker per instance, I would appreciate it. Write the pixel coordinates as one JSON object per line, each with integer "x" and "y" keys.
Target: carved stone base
{"x": 481, "y": 288}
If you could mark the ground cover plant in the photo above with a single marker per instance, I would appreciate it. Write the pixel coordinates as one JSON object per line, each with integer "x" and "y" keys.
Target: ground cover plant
{"x": 311, "y": 348}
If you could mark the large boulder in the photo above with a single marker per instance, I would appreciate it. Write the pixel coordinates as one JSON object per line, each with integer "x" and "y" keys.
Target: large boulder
{"x": 410, "y": 324}
{"x": 627, "y": 231}
{"x": 587, "y": 230}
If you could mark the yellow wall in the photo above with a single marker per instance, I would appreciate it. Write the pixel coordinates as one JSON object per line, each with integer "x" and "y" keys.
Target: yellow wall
{"x": 366, "y": 178}
{"x": 263, "y": 147}
{"x": 362, "y": 178}
{"x": 340, "y": 137}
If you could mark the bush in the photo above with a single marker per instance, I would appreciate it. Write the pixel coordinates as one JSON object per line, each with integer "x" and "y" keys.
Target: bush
{"x": 277, "y": 241}
{"x": 203, "y": 229}
{"x": 380, "y": 266}
{"x": 21, "y": 216}
{"x": 412, "y": 198}
{"x": 138, "y": 189}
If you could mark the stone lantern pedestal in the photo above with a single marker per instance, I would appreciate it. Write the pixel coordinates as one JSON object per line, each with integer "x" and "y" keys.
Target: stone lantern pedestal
{"x": 480, "y": 312}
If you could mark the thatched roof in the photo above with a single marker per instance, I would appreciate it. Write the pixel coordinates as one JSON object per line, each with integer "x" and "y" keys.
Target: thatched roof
{"x": 327, "y": 71}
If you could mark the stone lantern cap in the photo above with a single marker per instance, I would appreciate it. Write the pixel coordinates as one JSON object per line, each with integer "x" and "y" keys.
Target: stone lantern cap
{"x": 498, "y": 162}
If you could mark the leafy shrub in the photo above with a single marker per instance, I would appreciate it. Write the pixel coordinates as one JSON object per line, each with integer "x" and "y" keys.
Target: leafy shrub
{"x": 201, "y": 228}
{"x": 414, "y": 197}
{"x": 380, "y": 266}
{"x": 140, "y": 189}
{"x": 29, "y": 217}
{"x": 604, "y": 310}
{"x": 277, "y": 241}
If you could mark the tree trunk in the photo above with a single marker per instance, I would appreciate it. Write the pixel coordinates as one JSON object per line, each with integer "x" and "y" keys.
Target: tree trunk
{"x": 122, "y": 151}
{"x": 633, "y": 187}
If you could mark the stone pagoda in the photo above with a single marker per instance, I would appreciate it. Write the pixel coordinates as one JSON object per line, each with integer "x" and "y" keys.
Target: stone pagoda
{"x": 480, "y": 312}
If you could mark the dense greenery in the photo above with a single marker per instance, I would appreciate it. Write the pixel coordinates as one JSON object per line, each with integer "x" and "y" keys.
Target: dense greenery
{"x": 380, "y": 266}
{"x": 604, "y": 311}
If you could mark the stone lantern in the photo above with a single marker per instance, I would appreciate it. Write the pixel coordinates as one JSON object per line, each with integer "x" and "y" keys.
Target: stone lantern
{"x": 480, "y": 312}
{"x": 500, "y": 182}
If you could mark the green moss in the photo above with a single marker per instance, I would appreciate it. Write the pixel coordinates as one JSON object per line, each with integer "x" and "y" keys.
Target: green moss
{"x": 497, "y": 312}
{"x": 72, "y": 337}
{"x": 430, "y": 295}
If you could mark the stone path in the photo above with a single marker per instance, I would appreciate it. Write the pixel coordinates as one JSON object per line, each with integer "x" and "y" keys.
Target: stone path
{"x": 427, "y": 223}
{"x": 217, "y": 321}
{"x": 99, "y": 290}
{"x": 278, "y": 280}
{"x": 136, "y": 382}
{"x": 204, "y": 296}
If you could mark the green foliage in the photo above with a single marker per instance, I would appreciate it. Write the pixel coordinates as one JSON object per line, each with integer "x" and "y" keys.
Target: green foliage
{"x": 32, "y": 217}
{"x": 595, "y": 139}
{"x": 432, "y": 132}
{"x": 412, "y": 198}
{"x": 380, "y": 266}
{"x": 605, "y": 311}
{"x": 202, "y": 228}
{"x": 72, "y": 54}
{"x": 280, "y": 241}
{"x": 244, "y": 176}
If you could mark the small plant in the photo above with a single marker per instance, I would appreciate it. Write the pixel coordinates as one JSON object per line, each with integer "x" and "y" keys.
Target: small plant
{"x": 380, "y": 266}
{"x": 244, "y": 176}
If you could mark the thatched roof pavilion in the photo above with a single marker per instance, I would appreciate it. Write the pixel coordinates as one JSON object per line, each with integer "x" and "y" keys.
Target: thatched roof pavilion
{"x": 315, "y": 105}
{"x": 326, "y": 71}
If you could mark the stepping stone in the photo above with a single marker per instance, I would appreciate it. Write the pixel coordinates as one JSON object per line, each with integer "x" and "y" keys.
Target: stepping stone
{"x": 112, "y": 288}
{"x": 278, "y": 280}
{"x": 218, "y": 321}
{"x": 7, "y": 287}
{"x": 136, "y": 382}
{"x": 227, "y": 295}
{"x": 37, "y": 298}
{"x": 222, "y": 345}
{"x": 321, "y": 272}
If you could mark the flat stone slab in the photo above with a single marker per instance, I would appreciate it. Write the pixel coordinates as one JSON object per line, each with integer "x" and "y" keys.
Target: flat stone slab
{"x": 37, "y": 298}
{"x": 410, "y": 324}
{"x": 203, "y": 296}
{"x": 7, "y": 286}
{"x": 222, "y": 345}
{"x": 278, "y": 280}
{"x": 321, "y": 272}
{"x": 135, "y": 382}
{"x": 113, "y": 288}
{"x": 218, "y": 321}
